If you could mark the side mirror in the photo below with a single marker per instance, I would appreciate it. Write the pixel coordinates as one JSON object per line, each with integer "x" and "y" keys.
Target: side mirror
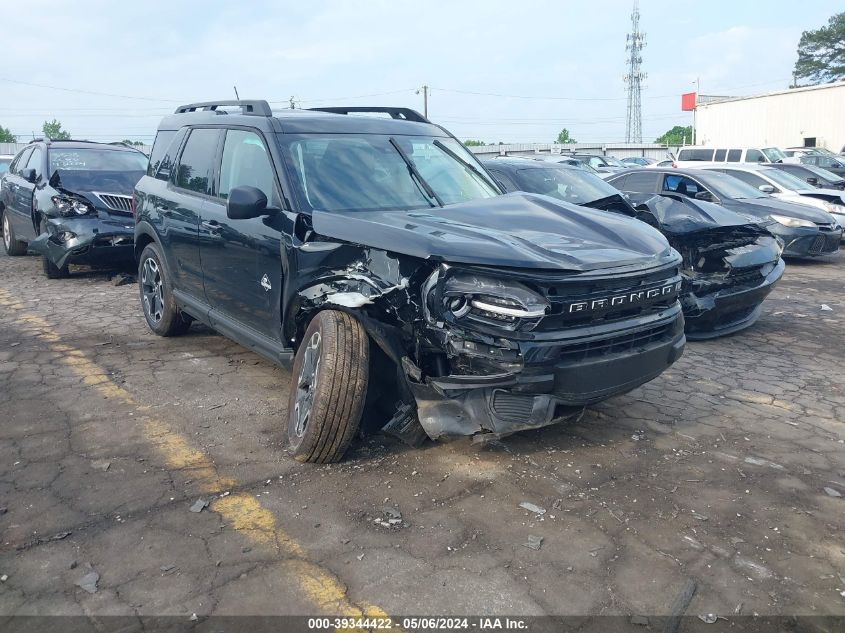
{"x": 766, "y": 188}
{"x": 813, "y": 181}
{"x": 704, "y": 195}
{"x": 28, "y": 174}
{"x": 837, "y": 165}
{"x": 245, "y": 203}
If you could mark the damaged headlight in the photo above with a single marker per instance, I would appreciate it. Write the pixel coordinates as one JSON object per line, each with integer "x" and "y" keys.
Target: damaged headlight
{"x": 475, "y": 297}
{"x": 68, "y": 206}
{"x": 792, "y": 222}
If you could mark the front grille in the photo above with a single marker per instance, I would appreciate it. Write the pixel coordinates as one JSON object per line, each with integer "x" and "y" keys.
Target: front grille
{"x": 563, "y": 295}
{"x": 824, "y": 244}
{"x": 512, "y": 407}
{"x": 116, "y": 201}
{"x": 617, "y": 344}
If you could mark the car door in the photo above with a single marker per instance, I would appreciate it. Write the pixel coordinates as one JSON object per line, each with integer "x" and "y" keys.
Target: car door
{"x": 21, "y": 208}
{"x": 189, "y": 192}
{"x": 11, "y": 181}
{"x": 241, "y": 258}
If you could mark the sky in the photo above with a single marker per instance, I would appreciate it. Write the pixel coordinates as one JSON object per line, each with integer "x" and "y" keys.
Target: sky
{"x": 498, "y": 70}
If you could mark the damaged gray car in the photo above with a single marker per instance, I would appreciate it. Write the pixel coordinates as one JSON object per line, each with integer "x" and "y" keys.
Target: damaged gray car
{"x": 71, "y": 202}
{"x": 731, "y": 260}
{"x": 380, "y": 258}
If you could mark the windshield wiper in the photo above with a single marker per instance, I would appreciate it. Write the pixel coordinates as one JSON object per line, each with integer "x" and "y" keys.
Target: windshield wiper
{"x": 415, "y": 173}
{"x": 466, "y": 165}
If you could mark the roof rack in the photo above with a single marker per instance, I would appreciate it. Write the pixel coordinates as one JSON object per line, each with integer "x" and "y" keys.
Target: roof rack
{"x": 257, "y": 107}
{"x": 405, "y": 114}
{"x": 48, "y": 140}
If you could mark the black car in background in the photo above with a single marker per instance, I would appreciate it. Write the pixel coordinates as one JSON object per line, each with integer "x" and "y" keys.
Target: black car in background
{"x": 806, "y": 232}
{"x": 830, "y": 162}
{"x": 816, "y": 176}
{"x": 378, "y": 246}
{"x": 731, "y": 261}
{"x": 71, "y": 202}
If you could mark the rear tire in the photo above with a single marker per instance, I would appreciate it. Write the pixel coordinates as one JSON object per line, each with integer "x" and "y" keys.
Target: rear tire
{"x": 160, "y": 311}
{"x": 328, "y": 387}
{"x": 50, "y": 269}
{"x": 13, "y": 247}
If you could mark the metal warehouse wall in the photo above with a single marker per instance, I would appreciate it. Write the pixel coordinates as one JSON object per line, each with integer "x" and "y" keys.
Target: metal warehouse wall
{"x": 782, "y": 119}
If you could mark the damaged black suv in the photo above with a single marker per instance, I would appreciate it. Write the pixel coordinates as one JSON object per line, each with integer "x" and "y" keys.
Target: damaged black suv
{"x": 379, "y": 256}
{"x": 70, "y": 202}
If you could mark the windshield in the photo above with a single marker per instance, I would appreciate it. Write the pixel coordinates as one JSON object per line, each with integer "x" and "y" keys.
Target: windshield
{"x": 783, "y": 179}
{"x": 92, "y": 159}
{"x": 569, "y": 185}
{"x": 773, "y": 154}
{"x": 364, "y": 173}
{"x": 726, "y": 186}
{"x": 4, "y": 165}
{"x": 614, "y": 162}
{"x": 821, "y": 173}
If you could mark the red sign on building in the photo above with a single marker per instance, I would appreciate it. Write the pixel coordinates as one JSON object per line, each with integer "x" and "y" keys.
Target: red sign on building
{"x": 688, "y": 102}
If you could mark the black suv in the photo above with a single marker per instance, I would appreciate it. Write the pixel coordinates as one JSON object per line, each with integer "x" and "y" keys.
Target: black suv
{"x": 378, "y": 255}
{"x": 70, "y": 201}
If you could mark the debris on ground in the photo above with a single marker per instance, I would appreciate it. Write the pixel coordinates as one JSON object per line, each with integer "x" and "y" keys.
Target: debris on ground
{"x": 639, "y": 435}
{"x": 639, "y": 620}
{"x": 193, "y": 617}
{"x": 3, "y": 510}
{"x": 826, "y": 308}
{"x": 166, "y": 568}
{"x": 4, "y": 578}
{"x": 101, "y": 464}
{"x": 708, "y": 618}
{"x": 527, "y": 505}
{"x": 533, "y": 542}
{"x": 89, "y": 581}
{"x": 391, "y": 517}
{"x": 199, "y": 505}
{"x": 832, "y": 492}
{"x": 122, "y": 279}
{"x": 360, "y": 556}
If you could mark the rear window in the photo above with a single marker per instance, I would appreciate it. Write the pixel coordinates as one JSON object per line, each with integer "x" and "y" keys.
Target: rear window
{"x": 641, "y": 182}
{"x": 696, "y": 154}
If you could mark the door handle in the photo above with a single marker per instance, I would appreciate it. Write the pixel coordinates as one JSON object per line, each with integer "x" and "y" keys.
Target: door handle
{"x": 212, "y": 225}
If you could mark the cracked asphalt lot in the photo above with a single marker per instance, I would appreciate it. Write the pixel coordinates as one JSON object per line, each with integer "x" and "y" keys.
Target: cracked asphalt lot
{"x": 715, "y": 471}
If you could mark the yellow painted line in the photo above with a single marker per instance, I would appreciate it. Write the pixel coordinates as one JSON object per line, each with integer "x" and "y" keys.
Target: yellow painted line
{"x": 241, "y": 511}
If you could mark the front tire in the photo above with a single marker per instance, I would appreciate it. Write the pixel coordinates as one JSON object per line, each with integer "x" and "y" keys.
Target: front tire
{"x": 160, "y": 311}
{"x": 13, "y": 247}
{"x": 328, "y": 387}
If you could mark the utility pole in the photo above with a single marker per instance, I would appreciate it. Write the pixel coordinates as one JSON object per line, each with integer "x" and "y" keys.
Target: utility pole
{"x": 424, "y": 91}
{"x": 236, "y": 93}
{"x": 634, "y": 78}
{"x": 292, "y": 103}
{"x": 695, "y": 109}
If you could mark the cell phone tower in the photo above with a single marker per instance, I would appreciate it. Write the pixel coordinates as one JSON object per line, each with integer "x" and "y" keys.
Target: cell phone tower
{"x": 634, "y": 78}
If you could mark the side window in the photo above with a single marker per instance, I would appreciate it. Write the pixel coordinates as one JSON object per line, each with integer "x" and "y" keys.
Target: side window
{"x": 163, "y": 168}
{"x": 641, "y": 182}
{"x": 754, "y": 156}
{"x": 34, "y": 161}
{"x": 246, "y": 163}
{"x": 196, "y": 164}
{"x": 696, "y": 154}
{"x": 596, "y": 162}
{"x": 621, "y": 183}
{"x": 720, "y": 155}
{"x": 681, "y": 184}
{"x": 734, "y": 155}
{"x": 160, "y": 145}
{"x": 20, "y": 162}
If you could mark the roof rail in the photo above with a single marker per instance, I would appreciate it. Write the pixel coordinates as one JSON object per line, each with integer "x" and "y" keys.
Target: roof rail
{"x": 255, "y": 107}
{"x": 406, "y": 114}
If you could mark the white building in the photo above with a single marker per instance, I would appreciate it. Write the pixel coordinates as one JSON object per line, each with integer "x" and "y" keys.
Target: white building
{"x": 811, "y": 116}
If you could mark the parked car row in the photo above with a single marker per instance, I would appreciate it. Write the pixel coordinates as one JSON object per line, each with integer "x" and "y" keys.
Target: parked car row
{"x": 482, "y": 300}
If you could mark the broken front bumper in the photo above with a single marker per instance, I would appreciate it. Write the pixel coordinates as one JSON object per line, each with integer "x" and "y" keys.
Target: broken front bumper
{"x": 92, "y": 241}
{"x": 558, "y": 379}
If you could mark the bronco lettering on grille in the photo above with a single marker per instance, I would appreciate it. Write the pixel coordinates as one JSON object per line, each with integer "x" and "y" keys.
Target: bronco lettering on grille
{"x": 630, "y": 298}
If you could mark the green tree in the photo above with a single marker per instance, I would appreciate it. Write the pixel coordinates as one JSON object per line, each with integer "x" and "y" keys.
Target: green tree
{"x": 564, "y": 139}
{"x": 472, "y": 143}
{"x": 821, "y": 53}
{"x": 53, "y": 130}
{"x": 6, "y": 135}
{"x": 678, "y": 135}
{"x": 126, "y": 141}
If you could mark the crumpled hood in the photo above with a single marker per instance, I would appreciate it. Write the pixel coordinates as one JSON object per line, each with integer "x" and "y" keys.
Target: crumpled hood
{"x": 84, "y": 181}
{"x": 678, "y": 215}
{"x": 514, "y": 230}
{"x": 791, "y": 209}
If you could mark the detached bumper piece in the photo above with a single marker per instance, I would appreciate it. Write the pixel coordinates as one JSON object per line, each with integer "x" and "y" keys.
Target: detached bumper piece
{"x": 90, "y": 241}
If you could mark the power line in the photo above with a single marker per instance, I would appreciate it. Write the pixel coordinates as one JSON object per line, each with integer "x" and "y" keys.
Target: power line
{"x": 87, "y": 92}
